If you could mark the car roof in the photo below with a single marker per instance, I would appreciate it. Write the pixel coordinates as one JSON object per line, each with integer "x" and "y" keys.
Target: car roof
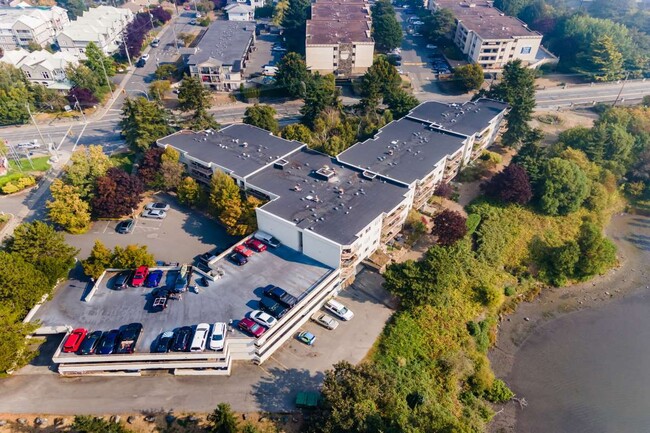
{"x": 335, "y": 304}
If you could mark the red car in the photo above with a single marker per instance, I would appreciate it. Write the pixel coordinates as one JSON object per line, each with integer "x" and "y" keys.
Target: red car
{"x": 241, "y": 249}
{"x": 251, "y": 327}
{"x": 139, "y": 276}
{"x": 74, "y": 340}
{"x": 255, "y": 245}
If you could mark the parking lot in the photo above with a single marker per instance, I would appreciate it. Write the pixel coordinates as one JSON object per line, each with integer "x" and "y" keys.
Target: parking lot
{"x": 263, "y": 55}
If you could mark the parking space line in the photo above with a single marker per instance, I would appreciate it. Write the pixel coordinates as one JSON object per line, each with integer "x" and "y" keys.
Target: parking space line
{"x": 281, "y": 364}
{"x": 265, "y": 370}
{"x": 106, "y": 227}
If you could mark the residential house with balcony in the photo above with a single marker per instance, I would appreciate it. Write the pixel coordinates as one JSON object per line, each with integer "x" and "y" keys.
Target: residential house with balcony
{"x": 22, "y": 25}
{"x": 42, "y": 67}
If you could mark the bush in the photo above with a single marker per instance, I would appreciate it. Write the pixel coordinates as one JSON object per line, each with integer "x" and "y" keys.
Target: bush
{"x": 509, "y": 291}
{"x": 18, "y": 184}
{"x": 499, "y": 392}
{"x": 249, "y": 93}
{"x": 488, "y": 296}
{"x": 473, "y": 220}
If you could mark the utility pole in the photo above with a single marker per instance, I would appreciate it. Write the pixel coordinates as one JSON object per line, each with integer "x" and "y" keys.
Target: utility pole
{"x": 39, "y": 133}
{"x": 108, "y": 83}
{"x": 627, "y": 74}
{"x": 126, "y": 47}
{"x": 80, "y": 110}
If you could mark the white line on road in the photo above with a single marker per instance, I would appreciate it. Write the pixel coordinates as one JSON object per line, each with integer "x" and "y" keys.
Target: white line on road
{"x": 64, "y": 137}
{"x": 79, "y": 137}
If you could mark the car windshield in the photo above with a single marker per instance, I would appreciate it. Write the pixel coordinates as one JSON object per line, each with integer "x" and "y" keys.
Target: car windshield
{"x": 217, "y": 337}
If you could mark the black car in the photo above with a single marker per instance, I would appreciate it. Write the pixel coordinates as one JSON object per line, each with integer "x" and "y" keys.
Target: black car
{"x": 107, "y": 343}
{"x": 122, "y": 280}
{"x": 280, "y": 295}
{"x": 238, "y": 259}
{"x": 273, "y": 307}
{"x": 182, "y": 339}
{"x": 160, "y": 298}
{"x": 125, "y": 226}
{"x": 89, "y": 345}
{"x": 128, "y": 338}
{"x": 141, "y": 63}
{"x": 164, "y": 342}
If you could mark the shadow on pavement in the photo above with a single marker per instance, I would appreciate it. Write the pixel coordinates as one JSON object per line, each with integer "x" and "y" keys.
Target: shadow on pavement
{"x": 276, "y": 393}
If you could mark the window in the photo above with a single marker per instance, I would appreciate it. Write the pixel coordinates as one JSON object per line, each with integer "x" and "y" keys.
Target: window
{"x": 46, "y": 75}
{"x": 526, "y": 50}
{"x": 27, "y": 74}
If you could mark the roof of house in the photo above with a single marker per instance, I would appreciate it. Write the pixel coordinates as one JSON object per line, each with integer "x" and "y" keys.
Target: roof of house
{"x": 467, "y": 118}
{"x": 338, "y": 207}
{"x": 333, "y": 32}
{"x": 97, "y": 21}
{"x": 340, "y": 11}
{"x": 239, "y": 148}
{"x": 225, "y": 42}
{"x": 30, "y": 15}
{"x": 485, "y": 20}
{"x": 238, "y": 8}
{"x": 50, "y": 61}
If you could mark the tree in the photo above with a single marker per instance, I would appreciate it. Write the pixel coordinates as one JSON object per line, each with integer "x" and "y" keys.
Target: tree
{"x": 597, "y": 253}
{"x": 449, "y": 226}
{"x": 603, "y": 61}
{"x": 386, "y": 31}
{"x": 262, "y": 116}
{"x": 564, "y": 187}
{"x": 117, "y": 194}
{"x": 189, "y": 192}
{"x": 201, "y": 121}
{"x": 48, "y": 99}
{"x": 166, "y": 71}
{"x": 298, "y": 132}
{"x": 80, "y": 97}
{"x": 192, "y": 96}
{"x": 149, "y": 168}
{"x": 247, "y": 221}
{"x": 559, "y": 262}
{"x": 98, "y": 62}
{"x": 68, "y": 209}
{"x": 39, "y": 244}
{"x": 469, "y": 77}
{"x": 14, "y": 95}
{"x": 294, "y": 22}
{"x": 143, "y": 122}
{"x": 532, "y": 157}
{"x": 91, "y": 424}
{"x": 518, "y": 89}
{"x": 14, "y": 350}
{"x": 160, "y": 15}
{"x": 22, "y": 285}
{"x": 321, "y": 93}
{"x": 292, "y": 74}
{"x": 136, "y": 31}
{"x": 187, "y": 38}
{"x": 131, "y": 257}
{"x": 444, "y": 190}
{"x": 278, "y": 13}
{"x": 82, "y": 77}
{"x": 334, "y": 131}
{"x": 439, "y": 25}
{"x": 225, "y": 199}
{"x": 87, "y": 165}
{"x": 171, "y": 170}
{"x": 381, "y": 79}
{"x": 400, "y": 102}
{"x": 223, "y": 420}
{"x": 510, "y": 185}
{"x": 158, "y": 88}
{"x": 99, "y": 259}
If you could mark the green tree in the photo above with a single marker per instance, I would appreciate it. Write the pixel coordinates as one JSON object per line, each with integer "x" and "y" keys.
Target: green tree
{"x": 564, "y": 187}
{"x": 22, "y": 285}
{"x": 294, "y": 22}
{"x": 439, "y": 25}
{"x": 381, "y": 79}
{"x": 94, "y": 60}
{"x": 143, "y": 122}
{"x": 298, "y": 132}
{"x": 532, "y": 157}
{"x": 91, "y": 424}
{"x": 171, "y": 170}
{"x": 39, "y": 244}
{"x": 223, "y": 420}
{"x": 400, "y": 102}
{"x": 192, "y": 96}
{"x": 189, "y": 192}
{"x": 469, "y": 77}
{"x": 511, "y": 7}
{"x": 47, "y": 99}
{"x": 386, "y": 31}
{"x": 262, "y": 116}
{"x": 321, "y": 93}
{"x": 87, "y": 165}
{"x": 15, "y": 95}
{"x": 158, "y": 88}
{"x": 99, "y": 259}
{"x": 518, "y": 89}
{"x": 166, "y": 71}
{"x": 131, "y": 257}
{"x": 82, "y": 77}
{"x": 68, "y": 209}
{"x": 597, "y": 253}
{"x": 14, "y": 350}
{"x": 333, "y": 131}
{"x": 560, "y": 263}
{"x": 201, "y": 121}
{"x": 225, "y": 199}
{"x": 604, "y": 62}
{"x": 292, "y": 74}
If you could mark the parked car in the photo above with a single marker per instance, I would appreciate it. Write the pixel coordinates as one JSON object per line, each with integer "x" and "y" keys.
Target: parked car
{"x": 207, "y": 258}
{"x": 157, "y": 206}
{"x": 325, "y": 320}
{"x": 431, "y": 47}
{"x": 139, "y": 276}
{"x": 89, "y": 344}
{"x": 273, "y": 307}
{"x": 193, "y": 22}
{"x": 218, "y": 336}
{"x": 107, "y": 343}
{"x": 128, "y": 338}
{"x": 30, "y": 145}
{"x": 263, "y": 318}
{"x": 141, "y": 62}
{"x": 278, "y": 49}
{"x": 255, "y": 329}
{"x": 267, "y": 239}
{"x": 200, "y": 337}
{"x": 145, "y": 57}
{"x": 155, "y": 42}
{"x": 160, "y": 298}
{"x": 182, "y": 339}
{"x": 238, "y": 259}
{"x": 121, "y": 280}
{"x": 280, "y": 295}
{"x": 339, "y": 309}
{"x": 241, "y": 249}
{"x": 74, "y": 340}
{"x": 153, "y": 279}
{"x": 155, "y": 214}
{"x": 164, "y": 342}
{"x": 255, "y": 245}
{"x": 307, "y": 337}
{"x": 181, "y": 283}
{"x": 125, "y": 226}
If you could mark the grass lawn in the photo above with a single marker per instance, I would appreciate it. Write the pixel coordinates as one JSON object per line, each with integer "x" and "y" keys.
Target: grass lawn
{"x": 124, "y": 160}
{"x": 41, "y": 164}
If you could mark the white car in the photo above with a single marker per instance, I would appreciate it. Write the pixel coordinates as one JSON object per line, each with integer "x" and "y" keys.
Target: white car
{"x": 339, "y": 310}
{"x": 200, "y": 337}
{"x": 431, "y": 47}
{"x": 34, "y": 144}
{"x": 218, "y": 337}
{"x": 155, "y": 42}
{"x": 157, "y": 206}
{"x": 278, "y": 49}
{"x": 155, "y": 214}
{"x": 193, "y": 22}
{"x": 325, "y": 320}
{"x": 145, "y": 57}
{"x": 263, "y": 318}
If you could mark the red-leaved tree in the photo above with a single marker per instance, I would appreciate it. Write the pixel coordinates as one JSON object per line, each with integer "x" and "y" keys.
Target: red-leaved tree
{"x": 444, "y": 190}
{"x": 150, "y": 165}
{"x": 117, "y": 193}
{"x": 512, "y": 185}
{"x": 449, "y": 226}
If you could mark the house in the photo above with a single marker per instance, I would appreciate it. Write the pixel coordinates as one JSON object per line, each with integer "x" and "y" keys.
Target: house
{"x": 239, "y": 12}
{"x": 42, "y": 67}
{"x": 103, "y": 25}
{"x": 22, "y": 25}
{"x": 222, "y": 54}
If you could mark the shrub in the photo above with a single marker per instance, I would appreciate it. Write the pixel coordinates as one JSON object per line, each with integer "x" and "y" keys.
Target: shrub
{"x": 18, "y": 184}
{"x": 473, "y": 220}
{"x": 488, "y": 296}
{"x": 509, "y": 291}
{"x": 499, "y": 392}
{"x": 444, "y": 190}
{"x": 449, "y": 226}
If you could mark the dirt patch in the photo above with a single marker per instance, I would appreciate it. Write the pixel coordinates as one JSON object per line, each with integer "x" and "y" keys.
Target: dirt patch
{"x": 566, "y": 119}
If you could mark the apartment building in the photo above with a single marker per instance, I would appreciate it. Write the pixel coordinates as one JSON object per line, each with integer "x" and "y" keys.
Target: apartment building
{"x": 338, "y": 38}
{"x": 22, "y": 24}
{"x": 42, "y": 67}
{"x": 240, "y": 12}
{"x": 222, "y": 54}
{"x": 103, "y": 25}
{"x": 490, "y": 38}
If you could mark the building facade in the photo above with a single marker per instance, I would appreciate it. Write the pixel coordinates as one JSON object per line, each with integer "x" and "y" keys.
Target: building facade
{"x": 42, "y": 67}
{"x": 240, "y": 12}
{"x": 21, "y": 25}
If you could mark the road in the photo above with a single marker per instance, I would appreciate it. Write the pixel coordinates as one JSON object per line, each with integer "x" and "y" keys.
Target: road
{"x": 587, "y": 94}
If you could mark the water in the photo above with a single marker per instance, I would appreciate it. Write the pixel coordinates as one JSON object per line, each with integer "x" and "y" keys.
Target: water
{"x": 588, "y": 371}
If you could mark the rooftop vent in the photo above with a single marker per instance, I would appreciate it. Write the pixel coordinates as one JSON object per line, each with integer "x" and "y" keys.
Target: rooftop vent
{"x": 369, "y": 175}
{"x": 325, "y": 173}
{"x": 280, "y": 164}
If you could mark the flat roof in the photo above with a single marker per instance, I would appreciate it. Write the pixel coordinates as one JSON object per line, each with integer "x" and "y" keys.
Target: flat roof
{"x": 340, "y": 11}
{"x": 337, "y": 208}
{"x": 228, "y": 298}
{"x": 333, "y": 32}
{"x": 467, "y": 118}
{"x": 239, "y": 148}
{"x": 405, "y": 150}
{"x": 485, "y": 20}
{"x": 225, "y": 42}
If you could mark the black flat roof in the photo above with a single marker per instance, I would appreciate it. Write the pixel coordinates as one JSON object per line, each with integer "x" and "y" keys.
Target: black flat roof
{"x": 337, "y": 208}
{"x": 241, "y": 149}
{"x": 225, "y": 42}
{"x": 405, "y": 150}
{"x": 467, "y": 118}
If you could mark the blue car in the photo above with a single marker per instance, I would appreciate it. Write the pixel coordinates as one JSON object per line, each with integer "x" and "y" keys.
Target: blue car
{"x": 307, "y": 337}
{"x": 107, "y": 343}
{"x": 153, "y": 279}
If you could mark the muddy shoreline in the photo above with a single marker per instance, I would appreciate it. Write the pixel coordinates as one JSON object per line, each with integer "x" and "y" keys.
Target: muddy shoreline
{"x": 628, "y": 278}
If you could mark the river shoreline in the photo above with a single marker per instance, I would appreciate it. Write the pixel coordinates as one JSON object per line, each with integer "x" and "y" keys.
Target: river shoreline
{"x": 631, "y": 276}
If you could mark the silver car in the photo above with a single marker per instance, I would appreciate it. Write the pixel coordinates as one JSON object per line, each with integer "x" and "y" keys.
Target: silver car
{"x": 155, "y": 214}
{"x": 157, "y": 206}
{"x": 325, "y": 320}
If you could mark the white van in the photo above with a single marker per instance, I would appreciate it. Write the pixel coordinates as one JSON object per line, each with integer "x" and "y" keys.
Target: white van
{"x": 270, "y": 70}
{"x": 267, "y": 239}
{"x": 200, "y": 337}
